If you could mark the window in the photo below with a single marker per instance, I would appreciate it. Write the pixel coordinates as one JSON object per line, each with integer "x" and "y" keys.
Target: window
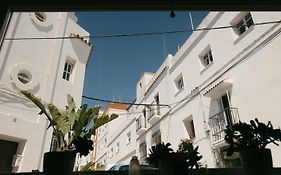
{"x": 143, "y": 152}
{"x": 67, "y": 71}
{"x": 144, "y": 112}
{"x": 244, "y": 24}
{"x": 129, "y": 137}
{"x": 150, "y": 111}
{"x": 157, "y": 101}
{"x": 156, "y": 138}
{"x": 207, "y": 58}
{"x": 111, "y": 152}
{"x": 117, "y": 147}
{"x": 189, "y": 126}
{"x": 138, "y": 122}
{"x": 179, "y": 83}
{"x": 105, "y": 142}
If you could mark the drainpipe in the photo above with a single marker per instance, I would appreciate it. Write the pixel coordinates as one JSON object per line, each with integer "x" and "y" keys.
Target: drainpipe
{"x": 96, "y": 147}
{"x": 5, "y": 16}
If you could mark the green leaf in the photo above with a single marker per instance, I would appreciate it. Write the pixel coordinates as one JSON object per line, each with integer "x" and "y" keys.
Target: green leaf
{"x": 81, "y": 111}
{"x": 70, "y": 124}
{"x": 77, "y": 128}
{"x": 70, "y": 103}
{"x": 59, "y": 119}
{"x": 99, "y": 121}
{"x": 70, "y": 110}
{"x": 38, "y": 103}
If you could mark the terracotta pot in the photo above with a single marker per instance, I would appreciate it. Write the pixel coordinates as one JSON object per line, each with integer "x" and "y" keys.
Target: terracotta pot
{"x": 257, "y": 161}
{"x": 59, "y": 163}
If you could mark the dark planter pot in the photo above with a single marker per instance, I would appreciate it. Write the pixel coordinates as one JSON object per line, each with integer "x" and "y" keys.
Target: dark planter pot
{"x": 173, "y": 165}
{"x": 59, "y": 163}
{"x": 257, "y": 161}
{"x": 200, "y": 171}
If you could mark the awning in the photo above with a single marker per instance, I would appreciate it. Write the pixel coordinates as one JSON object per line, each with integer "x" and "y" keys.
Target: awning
{"x": 218, "y": 87}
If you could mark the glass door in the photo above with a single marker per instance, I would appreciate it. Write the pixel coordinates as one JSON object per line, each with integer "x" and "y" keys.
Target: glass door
{"x": 225, "y": 103}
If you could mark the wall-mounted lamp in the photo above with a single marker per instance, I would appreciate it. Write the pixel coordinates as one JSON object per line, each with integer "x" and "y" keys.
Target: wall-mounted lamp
{"x": 172, "y": 14}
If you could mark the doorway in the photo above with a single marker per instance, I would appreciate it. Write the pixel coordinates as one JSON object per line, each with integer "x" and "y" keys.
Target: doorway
{"x": 7, "y": 150}
{"x": 225, "y": 104}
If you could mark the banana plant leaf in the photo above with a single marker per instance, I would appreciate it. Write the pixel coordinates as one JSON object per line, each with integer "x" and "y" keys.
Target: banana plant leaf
{"x": 69, "y": 125}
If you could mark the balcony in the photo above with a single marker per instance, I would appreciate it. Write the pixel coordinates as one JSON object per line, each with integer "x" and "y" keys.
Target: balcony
{"x": 153, "y": 115}
{"x": 141, "y": 125}
{"x": 219, "y": 122}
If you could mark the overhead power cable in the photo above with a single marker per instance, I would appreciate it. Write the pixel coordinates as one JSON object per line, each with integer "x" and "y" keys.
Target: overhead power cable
{"x": 126, "y": 103}
{"x": 139, "y": 112}
{"x": 139, "y": 34}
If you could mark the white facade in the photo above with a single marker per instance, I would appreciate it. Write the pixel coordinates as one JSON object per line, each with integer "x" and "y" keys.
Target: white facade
{"x": 217, "y": 77}
{"x": 48, "y": 68}
{"x": 111, "y": 137}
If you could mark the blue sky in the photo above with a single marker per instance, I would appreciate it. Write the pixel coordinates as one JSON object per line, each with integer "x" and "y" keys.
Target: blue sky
{"x": 116, "y": 63}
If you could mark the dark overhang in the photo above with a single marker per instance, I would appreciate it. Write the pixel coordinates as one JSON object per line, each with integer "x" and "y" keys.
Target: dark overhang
{"x": 142, "y": 5}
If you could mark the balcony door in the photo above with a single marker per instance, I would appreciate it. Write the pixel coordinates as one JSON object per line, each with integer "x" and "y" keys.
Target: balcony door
{"x": 225, "y": 105}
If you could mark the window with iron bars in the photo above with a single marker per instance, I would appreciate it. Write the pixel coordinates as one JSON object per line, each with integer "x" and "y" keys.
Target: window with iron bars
{"x": 208, "y": 58}
{"x": 67, "y": 71}
{"x": 244, "y": 24}
{"x": 156, "y": 137}
{"x": 143, "y": 152}
{"x": 179, "y": 83}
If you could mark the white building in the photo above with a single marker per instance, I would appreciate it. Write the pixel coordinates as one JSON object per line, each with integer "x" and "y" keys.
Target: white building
{"x": 50, "y": 69}
{"x": 105, "y": 143}
{"x": 217, "y": 77}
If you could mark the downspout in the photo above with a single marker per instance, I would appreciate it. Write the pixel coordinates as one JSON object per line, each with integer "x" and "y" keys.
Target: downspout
{"x": 5, "y": 16}
{"x": 95, "y": 149}
{"x": 52, "y": 96}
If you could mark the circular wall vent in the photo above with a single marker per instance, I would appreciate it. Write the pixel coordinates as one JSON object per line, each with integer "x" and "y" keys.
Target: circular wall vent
{"x": 23, "y": 77}
{"x": 40, "y": 19}
{"x": 41, "y": 16}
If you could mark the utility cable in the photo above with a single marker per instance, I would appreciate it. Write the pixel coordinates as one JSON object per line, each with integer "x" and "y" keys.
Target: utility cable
{"x": 138, "y": 112}
{"x": 140, "y": 34}
{"x": 126, "y": 103}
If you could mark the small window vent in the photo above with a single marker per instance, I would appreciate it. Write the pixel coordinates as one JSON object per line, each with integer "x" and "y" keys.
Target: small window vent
{"x": 24, "y": 77}
{"x": 40, "y": 16}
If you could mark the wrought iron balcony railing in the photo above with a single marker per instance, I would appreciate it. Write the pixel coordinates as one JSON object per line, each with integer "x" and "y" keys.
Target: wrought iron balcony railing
{"x": 218, "y": 122}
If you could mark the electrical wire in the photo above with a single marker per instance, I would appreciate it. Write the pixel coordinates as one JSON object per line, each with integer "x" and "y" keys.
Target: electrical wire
{"x": 138, "y": 112}
{"x": 126, "y": 103}
{"x": 141, "y": 33}
{"x": 138, "y": 34}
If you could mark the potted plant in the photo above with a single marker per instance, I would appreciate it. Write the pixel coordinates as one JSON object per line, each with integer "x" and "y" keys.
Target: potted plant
{"x": 169, "y": 162}
{"x": 158, "y": 152}
{"x": 191, "y": 153}
{"x": 72, "y": 129}
{"x": 250, "y": 140}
